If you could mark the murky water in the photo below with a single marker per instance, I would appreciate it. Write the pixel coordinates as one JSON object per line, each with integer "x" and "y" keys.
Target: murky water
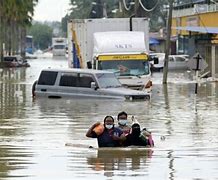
{"x": 33, "y": 134}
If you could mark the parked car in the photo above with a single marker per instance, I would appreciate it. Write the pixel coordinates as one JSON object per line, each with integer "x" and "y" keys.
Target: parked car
{"x": 83, "y": 83}
{"x": 178, "y": 62}
{"x": 15, "y": 61}
{"x": 175, "y": 61}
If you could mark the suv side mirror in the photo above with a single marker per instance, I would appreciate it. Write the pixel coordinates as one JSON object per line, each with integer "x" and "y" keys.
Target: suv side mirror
{"x": 94, "y": 86}
{"x": 156, "y": 60}
{"x": 153, "y": 59}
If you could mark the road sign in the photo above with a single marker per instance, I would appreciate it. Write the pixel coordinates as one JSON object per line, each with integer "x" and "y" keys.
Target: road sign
{"x": 197, "y": 63}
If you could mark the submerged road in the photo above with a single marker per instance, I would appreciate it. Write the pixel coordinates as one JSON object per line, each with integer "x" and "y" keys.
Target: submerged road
{"x": 33, "y": 133}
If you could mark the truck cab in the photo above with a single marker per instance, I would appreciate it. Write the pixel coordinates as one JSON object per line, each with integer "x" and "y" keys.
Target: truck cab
{"x": 59, "y": 46}
{"x": 125, "y": 54}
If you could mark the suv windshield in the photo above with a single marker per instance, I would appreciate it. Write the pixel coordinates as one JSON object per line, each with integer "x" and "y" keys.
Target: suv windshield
{"x": 107, "y": 80}
{"x": 126, "y": 67}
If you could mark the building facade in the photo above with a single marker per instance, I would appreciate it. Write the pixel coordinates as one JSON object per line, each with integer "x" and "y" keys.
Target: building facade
{"x": 196, "y": 27}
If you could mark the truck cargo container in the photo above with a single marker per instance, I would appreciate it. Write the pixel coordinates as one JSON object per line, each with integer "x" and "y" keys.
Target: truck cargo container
{"x": 120, "y": 45}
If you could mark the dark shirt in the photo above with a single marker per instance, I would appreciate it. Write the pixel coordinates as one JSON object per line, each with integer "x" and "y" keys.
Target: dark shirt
{"x": 135, "y": 140}
{"x": 106, "y": 140}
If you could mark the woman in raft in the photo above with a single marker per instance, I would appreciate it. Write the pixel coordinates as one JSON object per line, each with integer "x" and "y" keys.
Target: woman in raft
{"x": 106, "y": 134}
{"x": 138, "y": 138}
{"x": 110, "y": 136}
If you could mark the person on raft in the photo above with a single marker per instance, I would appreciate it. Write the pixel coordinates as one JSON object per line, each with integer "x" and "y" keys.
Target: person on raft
{"x": 107, "y": 135}
{"x": 123, "y": 122}
{"x": 138, "y": 138}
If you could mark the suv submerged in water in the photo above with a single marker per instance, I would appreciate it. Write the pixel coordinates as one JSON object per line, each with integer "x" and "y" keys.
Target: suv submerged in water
{"x": 15, "y": 61}
{"x": 83, "y": 83}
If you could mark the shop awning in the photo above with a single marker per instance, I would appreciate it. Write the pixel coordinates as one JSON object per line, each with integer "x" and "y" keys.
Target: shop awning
{"x": 153, "y": 41}
{"x": 210, "y": 30}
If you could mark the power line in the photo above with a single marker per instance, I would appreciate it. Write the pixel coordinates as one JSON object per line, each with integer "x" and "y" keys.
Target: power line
{"x": 148, "y": 10}
{"x": 125, "y": 6}
{"x": 141, "y": 4}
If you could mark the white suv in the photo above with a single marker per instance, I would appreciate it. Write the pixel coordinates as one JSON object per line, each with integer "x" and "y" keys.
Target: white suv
{"x": 83, "y": 83}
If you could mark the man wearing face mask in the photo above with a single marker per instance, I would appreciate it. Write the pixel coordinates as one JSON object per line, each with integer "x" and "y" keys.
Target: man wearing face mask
{"x": 123, "y": 123}
{"x": 110, "y": 135}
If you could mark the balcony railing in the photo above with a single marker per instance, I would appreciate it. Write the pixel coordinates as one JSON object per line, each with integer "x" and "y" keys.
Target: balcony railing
{"x": 197, "y": 9}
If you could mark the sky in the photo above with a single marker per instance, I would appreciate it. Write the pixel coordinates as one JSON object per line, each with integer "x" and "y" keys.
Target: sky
{"x": 51, "y": 10}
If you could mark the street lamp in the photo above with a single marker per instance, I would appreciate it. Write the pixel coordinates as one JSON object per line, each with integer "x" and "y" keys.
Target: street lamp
{"x": 94, "y": 3}
{"x": 130, "y": 5}
{"x": 100, "y": 9}
{"x": 137, "y": 3}
{"x": 115, "y": 11}
{"x": 74, "y": 5}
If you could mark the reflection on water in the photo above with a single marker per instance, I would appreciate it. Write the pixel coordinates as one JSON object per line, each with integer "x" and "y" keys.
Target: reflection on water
{"x": 33, "y": 133}
{"x": 14, "y": 159}
{"x": 13, "y": 94}
{"x": 111, "y": 160}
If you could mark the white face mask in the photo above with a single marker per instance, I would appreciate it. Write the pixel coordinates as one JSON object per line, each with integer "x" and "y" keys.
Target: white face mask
{"x": 123, "y": 121}
{"x": 109, "y": 126}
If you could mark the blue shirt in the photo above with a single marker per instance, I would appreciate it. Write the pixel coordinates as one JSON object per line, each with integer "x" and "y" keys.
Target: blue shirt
{"x": 106, "y": 140}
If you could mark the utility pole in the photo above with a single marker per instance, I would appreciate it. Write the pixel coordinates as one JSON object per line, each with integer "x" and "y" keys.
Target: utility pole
{"x": 104, "y": 10}
{"x": 136, "y": 8}
{"x": 167, "y": 49}
{"x": 1, "y": 32}
{"x": 120, "y": 6}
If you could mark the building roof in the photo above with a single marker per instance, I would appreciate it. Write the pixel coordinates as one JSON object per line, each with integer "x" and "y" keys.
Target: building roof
{"x": 206, "y": 29}
{"x": 181, "y": 4}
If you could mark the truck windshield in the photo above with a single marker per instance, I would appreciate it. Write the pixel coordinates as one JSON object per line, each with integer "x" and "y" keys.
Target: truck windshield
{"x": 107, "y": 80}
{"x": 59, "y": 47}
{"x": 126, "y": 67}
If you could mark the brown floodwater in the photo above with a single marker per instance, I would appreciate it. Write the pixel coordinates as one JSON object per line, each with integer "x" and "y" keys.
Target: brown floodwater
{"x": 44, "y": 139}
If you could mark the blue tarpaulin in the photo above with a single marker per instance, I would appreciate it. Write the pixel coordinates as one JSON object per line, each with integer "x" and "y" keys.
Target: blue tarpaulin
{"x": 153, "y": 41}
{"x": 76, "y": 63}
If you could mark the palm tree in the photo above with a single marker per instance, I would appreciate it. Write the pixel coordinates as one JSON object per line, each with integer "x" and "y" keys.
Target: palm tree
{"x": 15, "y": 17}
{"x": 1, "y": 29}
{"x": 25, "y": 19}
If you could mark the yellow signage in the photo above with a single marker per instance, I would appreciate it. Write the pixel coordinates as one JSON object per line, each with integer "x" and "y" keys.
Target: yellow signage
{"x": 123, "y": 57}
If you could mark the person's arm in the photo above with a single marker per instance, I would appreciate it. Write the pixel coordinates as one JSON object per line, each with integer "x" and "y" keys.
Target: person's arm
{"x": 145, "y": 132}
{"x": 90, "y": 132}
{"x": 127, "y": 140}
{"x": 122, "y": 137}
{"x": 119, "y": 136}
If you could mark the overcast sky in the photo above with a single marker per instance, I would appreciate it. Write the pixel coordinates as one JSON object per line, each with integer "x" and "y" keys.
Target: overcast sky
{"x": 51, "y": 10}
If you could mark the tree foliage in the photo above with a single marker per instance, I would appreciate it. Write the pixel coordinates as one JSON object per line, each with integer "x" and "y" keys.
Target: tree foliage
{"x": 115, "y": 8}
{"x": 82, "y": 9}
{"x": 42, "y": 35}
{"x": 15, "y": 17}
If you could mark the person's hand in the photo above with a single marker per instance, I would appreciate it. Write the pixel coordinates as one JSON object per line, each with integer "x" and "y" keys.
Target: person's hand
{"x": 123, "y": 137}
{"x": 115, "y": 137}
{"x": 146, "y": 133}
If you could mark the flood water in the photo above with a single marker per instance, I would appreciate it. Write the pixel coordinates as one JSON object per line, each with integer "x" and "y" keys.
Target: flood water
{"x": 34, "y": 133}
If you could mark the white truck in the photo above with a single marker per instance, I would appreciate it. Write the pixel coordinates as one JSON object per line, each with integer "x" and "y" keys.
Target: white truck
{"x": 108, "y": 44}
{"x": 59, "y": 45}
